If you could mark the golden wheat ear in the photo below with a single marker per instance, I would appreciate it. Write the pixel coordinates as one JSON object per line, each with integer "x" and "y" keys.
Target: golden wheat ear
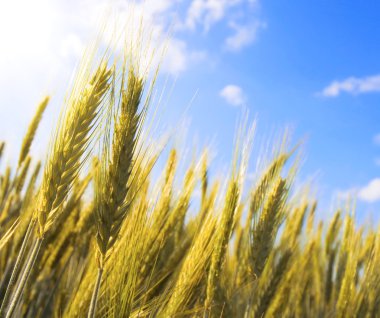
{"x": 28, "y": 139}
{"x": 114, "y": 177}
{"x": 62, "y": 167}
{"x": 2, "y": 147}
{"x": 72, "y": 141}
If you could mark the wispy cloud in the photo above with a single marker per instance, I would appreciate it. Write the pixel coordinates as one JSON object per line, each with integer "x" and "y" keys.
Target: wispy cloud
{"x": 371, "y": 192}
{"x": 49, "y": 31}
{"x": 208, "y": 12}
{"x": 376, "y": 139}
{"x": 353, "y": 85}
{"x": 244, "y": 35}
{"x": 158, "y": 17}
{"x": 233, "y": 95}
{"x": 377, "y": 161}
{"x": 179, "y": 56}
{"x": 41, "y": 44}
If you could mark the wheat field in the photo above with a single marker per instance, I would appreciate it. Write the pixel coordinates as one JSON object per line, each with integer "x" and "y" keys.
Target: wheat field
{"x": 89, "y": 231}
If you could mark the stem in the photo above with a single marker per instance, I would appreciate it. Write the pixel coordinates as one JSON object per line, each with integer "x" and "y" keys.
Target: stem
{"x": 46, "y": 309}
{"x": 24, "y": 278}
{"x": 16, "y": 268}
{"x": 94, "y": 298}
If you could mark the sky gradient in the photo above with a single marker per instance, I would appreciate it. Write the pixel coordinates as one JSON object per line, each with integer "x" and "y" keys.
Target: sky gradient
{"x": 310, "y": 65}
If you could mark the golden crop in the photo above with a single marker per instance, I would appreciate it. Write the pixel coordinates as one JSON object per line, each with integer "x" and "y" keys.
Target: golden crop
{"x": 140, "y": 247}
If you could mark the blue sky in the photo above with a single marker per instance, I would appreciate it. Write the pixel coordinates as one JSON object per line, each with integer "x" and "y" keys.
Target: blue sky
{"x": 310, "y": 65}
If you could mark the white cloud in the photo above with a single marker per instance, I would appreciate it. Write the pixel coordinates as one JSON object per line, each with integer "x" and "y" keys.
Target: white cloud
{"x": 157, "y": 18}
{"x": 41, "y": 43}
{"x": 353, "y": 85}
{"x": 377, "y": 161}
{"x": 244, "y": 35}
{"x": 63, "y": 34}
{"x": 208, "y": 12}
{"x": 179, "y": 56}
{"x": 371, "y": 192}
{"x": 233, "y": 95}
{"x": 376, "y": 139}
{"x": 73, "y": 46}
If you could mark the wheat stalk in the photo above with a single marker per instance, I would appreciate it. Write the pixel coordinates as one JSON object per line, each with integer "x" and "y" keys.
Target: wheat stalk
{"x": 64, "y": 163}
{"x": 114, "y": 176}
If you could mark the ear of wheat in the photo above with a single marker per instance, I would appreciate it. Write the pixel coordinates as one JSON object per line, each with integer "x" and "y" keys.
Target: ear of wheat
{"x": 63, "y": 164}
